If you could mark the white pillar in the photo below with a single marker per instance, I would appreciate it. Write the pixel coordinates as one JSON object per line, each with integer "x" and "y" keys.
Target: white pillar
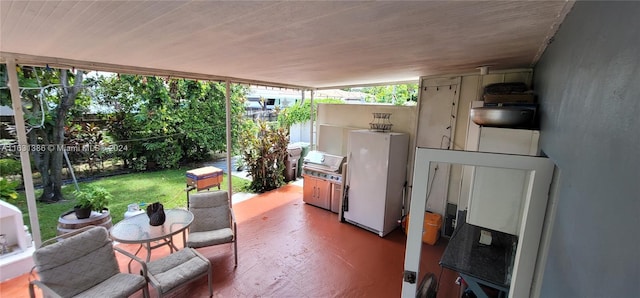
{"x": 311, "y": 138}
{"x": 23, "y": 145}
{"x": 229, "y": 141}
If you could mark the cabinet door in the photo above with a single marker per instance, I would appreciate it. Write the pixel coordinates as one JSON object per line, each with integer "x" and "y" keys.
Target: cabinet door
{"x": 323, "y": 193}
{"x": 497, "y": 195}
{"x": 309, "y": 189}
{"x": 510, "y": 141}
{"x": 436, "y": 128}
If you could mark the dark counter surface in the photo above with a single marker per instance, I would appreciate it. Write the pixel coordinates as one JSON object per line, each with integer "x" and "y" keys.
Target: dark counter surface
{"x": 490, "y": 263}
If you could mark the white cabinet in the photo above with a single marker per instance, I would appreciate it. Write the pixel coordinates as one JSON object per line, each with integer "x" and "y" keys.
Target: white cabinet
{"x": 510, "y": 141}
{"x": 496, "y": 194}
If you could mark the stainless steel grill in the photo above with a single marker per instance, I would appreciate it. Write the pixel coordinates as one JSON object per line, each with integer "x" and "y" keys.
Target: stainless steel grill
{"x": 323, "y": 179}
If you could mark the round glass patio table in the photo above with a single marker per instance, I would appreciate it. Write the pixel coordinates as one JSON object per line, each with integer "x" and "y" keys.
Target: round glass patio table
{"x": 137, "y": 230}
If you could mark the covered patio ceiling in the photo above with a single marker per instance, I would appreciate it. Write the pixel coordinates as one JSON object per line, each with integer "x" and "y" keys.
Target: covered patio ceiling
{"x": 310, "y": 44}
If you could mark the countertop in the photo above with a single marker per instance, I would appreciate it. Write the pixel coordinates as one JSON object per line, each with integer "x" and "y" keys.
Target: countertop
{"x": 489, "y": 263}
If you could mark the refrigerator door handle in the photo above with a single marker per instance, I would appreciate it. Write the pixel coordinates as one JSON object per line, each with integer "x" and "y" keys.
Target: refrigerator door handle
{"x": 345, "y": 201}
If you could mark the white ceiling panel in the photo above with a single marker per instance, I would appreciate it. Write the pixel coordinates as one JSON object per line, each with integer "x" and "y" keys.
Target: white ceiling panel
{"x": 299, "y": 43}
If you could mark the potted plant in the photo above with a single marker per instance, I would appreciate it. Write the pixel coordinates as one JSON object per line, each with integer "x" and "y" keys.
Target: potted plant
{"x": 90, "y": 199}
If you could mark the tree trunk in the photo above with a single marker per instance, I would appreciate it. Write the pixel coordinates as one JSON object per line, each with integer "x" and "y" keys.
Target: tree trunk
{"x": 41, "y": 161}
{"x": 50, "y": 161}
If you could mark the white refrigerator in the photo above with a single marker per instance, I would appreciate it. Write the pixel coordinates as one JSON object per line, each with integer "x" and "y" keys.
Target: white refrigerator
{"x": 375, "y": 179}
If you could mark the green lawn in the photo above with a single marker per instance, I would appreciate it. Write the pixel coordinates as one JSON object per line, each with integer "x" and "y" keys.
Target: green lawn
{"x": 166, "y": 187}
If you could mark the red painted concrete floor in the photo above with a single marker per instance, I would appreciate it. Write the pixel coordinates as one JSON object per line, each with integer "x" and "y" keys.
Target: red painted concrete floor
{"x": 287, "y": 248}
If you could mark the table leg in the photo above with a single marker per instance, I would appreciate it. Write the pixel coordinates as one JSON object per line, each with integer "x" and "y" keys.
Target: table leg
{"x": 174, "y": 246}
{"x": 474, "y": 285}
{"x": 137, "y": 251}
{"x": 171, "y": 246}
{"x": 184, "y": 238}
{"x": 148, "y": 247}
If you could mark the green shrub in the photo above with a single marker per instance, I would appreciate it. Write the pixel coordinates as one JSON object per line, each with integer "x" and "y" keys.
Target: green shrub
{"x": 8, "y": 190}
{"x": 263, "y": 153}
{"x": 10, "y": 167}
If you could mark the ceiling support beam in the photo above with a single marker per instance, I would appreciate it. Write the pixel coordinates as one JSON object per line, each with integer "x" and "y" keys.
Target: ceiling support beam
{"x": 23, "y": 148}
{"x": 404, "y": 82}
{"x": 61, "y": 63}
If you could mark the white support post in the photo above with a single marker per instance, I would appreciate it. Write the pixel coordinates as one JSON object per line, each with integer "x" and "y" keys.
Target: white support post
{"x": 311, "y": 138}
{"x": 23, "y": 146}
{"x": 229, "y": 141}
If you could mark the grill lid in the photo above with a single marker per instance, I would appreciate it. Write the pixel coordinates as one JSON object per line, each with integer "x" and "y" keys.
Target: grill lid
{"x": 323, "y": 161}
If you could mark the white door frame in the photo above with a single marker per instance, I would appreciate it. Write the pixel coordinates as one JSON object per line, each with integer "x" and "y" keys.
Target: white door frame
{"x": 535, "y": 203}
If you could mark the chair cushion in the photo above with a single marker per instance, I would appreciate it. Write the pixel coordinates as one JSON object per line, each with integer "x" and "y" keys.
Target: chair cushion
{"x": 205, "y": 219}
{"x": 210, "y": 211}
{"x": 71, "y": 248}
{"x": 177, "y": 268}
{"x": 119, "y": 285}
{"x": 208, "y": 238}
{"x": 206, "y": 199}
{"x": 78, "y": 263}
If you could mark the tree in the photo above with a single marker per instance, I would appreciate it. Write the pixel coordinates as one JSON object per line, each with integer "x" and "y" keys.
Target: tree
{"x": 50, "y": 98}
{"x": 395, "y": 94}
{"x": 165, "y": 122}
{"x": 301, "y": 111}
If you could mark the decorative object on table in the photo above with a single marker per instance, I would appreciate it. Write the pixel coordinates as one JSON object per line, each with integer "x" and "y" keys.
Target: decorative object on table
{"x": 156, "y": 214}
{"x": 93, "y": 198}
{"x": 381, "y": 122}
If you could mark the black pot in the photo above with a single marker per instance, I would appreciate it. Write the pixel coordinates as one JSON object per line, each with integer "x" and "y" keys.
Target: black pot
{"x": 82, "y": 213}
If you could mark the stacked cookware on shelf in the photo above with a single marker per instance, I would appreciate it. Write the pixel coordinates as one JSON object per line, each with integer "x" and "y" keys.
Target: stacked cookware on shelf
{"x": 510, "y": 105}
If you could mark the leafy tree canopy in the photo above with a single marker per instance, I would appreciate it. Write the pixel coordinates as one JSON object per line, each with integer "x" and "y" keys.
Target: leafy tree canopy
{"x": 167, "y": 121}
{"x": 395, "y": 94}
{"x": 300, "y": 113}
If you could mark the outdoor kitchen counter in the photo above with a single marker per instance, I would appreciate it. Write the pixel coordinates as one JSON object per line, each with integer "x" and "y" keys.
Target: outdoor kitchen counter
{"x": 489, "y": 265}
